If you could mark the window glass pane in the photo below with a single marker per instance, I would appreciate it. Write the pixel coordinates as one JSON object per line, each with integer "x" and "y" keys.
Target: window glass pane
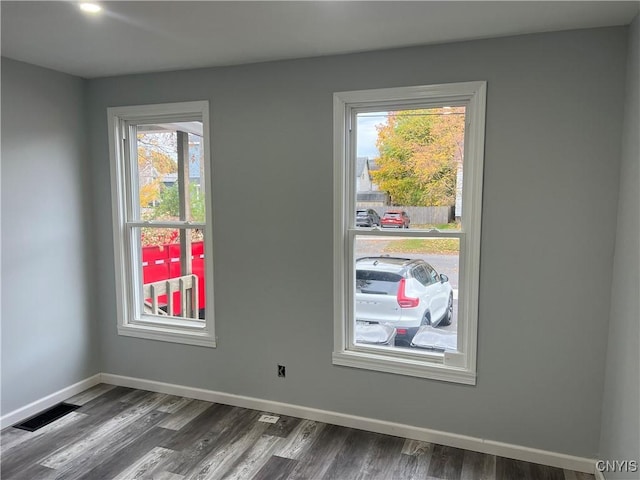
{"x": 408, "y": 167}
{"x": 376, "y": 282}
{"x": 163, "y": 269}
{"x": 406, "y": 292}
{"x": 170, "y": 156}
{"x": 420, "y": 274}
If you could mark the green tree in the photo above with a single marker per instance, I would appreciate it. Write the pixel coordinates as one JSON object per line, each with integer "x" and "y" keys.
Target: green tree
{"x": 169, "y": 203}
{"x": 419, "y": 155}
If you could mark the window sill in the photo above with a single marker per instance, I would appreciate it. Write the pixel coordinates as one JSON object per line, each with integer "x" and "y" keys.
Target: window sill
{"x": 404, "y": 366}
{"x": 165, "y": 333}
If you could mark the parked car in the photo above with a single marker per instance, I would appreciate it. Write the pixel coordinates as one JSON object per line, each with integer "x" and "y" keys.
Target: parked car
{"x": 403, "y": 293}
{"x": 367, "y": 217}
{"x": 395, "y": 218}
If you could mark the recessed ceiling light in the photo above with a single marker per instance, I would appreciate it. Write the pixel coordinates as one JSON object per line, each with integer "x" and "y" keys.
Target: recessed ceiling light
{"x": 90, "y": 7}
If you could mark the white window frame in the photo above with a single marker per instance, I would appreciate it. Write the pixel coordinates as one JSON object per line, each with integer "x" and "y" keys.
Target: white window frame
{"x": 460, "y": 366}
{"x": 131, "y": 320}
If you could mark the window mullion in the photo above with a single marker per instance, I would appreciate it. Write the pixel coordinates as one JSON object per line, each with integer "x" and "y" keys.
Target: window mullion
{"x": 375, "y": 232}
{"x": 169, "y": 224}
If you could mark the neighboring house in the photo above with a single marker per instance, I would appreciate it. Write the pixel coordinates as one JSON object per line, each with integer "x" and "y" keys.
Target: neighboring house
{"x": 194, "y": 167}
{"x": 363, "y": 175}
{"x": 368, "y": 193}
{"x": 194, "y": 175}
{"x": 147, "y": 174}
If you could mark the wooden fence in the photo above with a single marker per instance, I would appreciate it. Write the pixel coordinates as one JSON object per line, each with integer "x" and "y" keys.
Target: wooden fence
{"x": 420, "y": 215}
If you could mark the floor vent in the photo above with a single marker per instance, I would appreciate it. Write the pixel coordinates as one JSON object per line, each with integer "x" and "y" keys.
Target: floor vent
{"x": 45, "y": 418}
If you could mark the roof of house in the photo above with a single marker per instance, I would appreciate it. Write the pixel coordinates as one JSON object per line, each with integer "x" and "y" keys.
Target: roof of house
{"x": 194, "y": 172}
{"x": 360, "y": 163}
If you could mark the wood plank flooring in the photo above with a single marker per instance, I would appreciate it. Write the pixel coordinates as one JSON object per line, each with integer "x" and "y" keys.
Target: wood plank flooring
{"x": 125, "y": 434}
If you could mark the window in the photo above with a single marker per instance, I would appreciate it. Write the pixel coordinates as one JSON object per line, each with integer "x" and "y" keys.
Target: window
{"x": 406, "y": 290}
{"x": 161, "y": 193}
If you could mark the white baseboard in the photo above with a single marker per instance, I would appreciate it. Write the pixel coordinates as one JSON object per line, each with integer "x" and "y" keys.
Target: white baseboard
{"x": 491, "y": 447}
{"x": 49, "y": 401}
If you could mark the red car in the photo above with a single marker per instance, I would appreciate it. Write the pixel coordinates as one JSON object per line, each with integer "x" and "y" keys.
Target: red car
{"x": 395, "y": 218}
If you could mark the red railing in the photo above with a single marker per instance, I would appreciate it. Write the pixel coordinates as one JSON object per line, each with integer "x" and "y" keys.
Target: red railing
{"x": 163, "y": 262}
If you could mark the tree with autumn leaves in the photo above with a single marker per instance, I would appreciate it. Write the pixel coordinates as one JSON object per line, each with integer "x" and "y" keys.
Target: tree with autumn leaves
{"x": 420, "y": 152}
{"x": 154, "y": 162}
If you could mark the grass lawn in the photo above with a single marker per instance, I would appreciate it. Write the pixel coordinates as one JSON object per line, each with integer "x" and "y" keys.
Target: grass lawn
{"x": 431, "y": 245}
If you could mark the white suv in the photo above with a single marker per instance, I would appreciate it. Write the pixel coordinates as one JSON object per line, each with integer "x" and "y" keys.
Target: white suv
{"x": 402, "y": 293}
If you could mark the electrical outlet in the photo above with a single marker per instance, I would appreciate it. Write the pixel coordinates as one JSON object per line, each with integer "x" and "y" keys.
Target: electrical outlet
{"x": 268, "y": 418}
{"x": 282, "y": 371}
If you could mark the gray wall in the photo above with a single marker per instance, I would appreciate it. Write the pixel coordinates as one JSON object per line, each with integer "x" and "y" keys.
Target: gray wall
{"x": 47, "y": 318}
{"x": 554, "y": 117}
{"x": 620, "y": 438}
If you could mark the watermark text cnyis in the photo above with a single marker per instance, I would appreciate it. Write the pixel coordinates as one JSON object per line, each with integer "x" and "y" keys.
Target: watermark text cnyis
{"x": 617, "y": 466}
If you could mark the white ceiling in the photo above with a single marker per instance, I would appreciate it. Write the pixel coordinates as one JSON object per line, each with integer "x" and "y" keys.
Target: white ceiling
{"x": 135, "y": 37}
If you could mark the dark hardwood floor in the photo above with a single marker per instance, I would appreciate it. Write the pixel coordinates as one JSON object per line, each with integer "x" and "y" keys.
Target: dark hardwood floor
{"x": 125, "y": 434}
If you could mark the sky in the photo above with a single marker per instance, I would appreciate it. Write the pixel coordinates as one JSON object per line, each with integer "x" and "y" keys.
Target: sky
{"x": 367, "y": 133}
